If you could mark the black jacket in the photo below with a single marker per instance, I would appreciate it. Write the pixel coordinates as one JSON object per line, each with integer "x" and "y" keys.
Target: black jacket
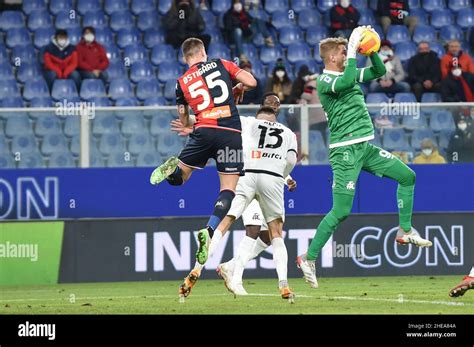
{"x": 452, "y": 90}
{"x": 391, "y": 8}
{"x": 422, "y": 67}
{"x": 461, "y": 146}
{"x": 191, "y": 24}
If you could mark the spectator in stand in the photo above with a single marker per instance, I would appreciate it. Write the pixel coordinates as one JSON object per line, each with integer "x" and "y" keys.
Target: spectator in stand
{"x": 279, "y": 83}
{"x": 344, "y": 17}
{"x": 429, "y": 154}
{"x": 458, "y": 86}
{"x": 456, "y": 56}
{"x": 253, "y": 96}
{"x": 392, "y": 82}
{"x": 92, "y": 57}
{"x": 461, "y": 143}
{"x": 60, "y": 60}
{"x": 424, "y": 74}
{"x": 395, "y": 12}
{"x": 240, "y": 26}
{"x": 182, "y": 21}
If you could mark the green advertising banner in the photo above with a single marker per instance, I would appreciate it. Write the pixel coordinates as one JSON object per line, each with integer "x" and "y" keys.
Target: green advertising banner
{"x": 30, "y": 252}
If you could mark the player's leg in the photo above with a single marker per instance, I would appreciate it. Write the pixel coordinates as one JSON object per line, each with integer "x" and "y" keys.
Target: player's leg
{"x": 384, "y": 164}
{"x": 466, "y": 284}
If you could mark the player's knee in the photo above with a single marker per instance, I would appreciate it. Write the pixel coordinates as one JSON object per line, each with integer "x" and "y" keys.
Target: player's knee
{"x": 252, "y": 231}
{"x": 341, "y": 213}
{"x": 409, "y": 178}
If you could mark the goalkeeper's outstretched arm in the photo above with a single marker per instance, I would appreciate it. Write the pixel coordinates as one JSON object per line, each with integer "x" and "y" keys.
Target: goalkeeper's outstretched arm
{"x": 374, "y": 72}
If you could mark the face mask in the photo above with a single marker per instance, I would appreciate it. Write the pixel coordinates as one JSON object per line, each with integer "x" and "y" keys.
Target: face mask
{"x": 280, "y": 74}
{"x": 462, "y": 126}
{"x": 456, "y": 72}
{"x": 427, "y": 151}
{"x": 89, "y": 37}
{"x": 63, "y": 42}
{"x": 345, "y": 3}
{"x": 238, "y": 7}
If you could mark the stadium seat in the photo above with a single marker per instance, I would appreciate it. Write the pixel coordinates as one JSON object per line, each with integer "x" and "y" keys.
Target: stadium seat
{"x": 133, "y": 125}
{"x": 127, "y": 37}
{"x": 74, "y": 35}
{"x": 378, "y": 99}
{"x": 9, "y": 88}
{"x": 405, "y": 50}
{"x": 63, "y": 89}
{"x": 309, "y": 19}
{"x": 39, "y": 19}
{"x": 23, "y": 143}
{"x": 404, "y": 97}
{"x": 395, "y": 140}
{"x": 105, "y": 124}
{"x": 431, "y": 97}
{"x": 168, "y": 71}
{"x": 289, "y": 35}
{"x": 164, "y": 6}
{"x": 113, "y": 53}
{"x": 120, "y": 88}
{"x": 418, "y": 135}
{"x": 169, "y": 144}
{"x": 162, "y": 53}
{"x": 412, "y": 122}
{"x": 15, "y": 102}
{"x": 312, "y": 65}
{"x": 119, "y": 20}
{"x": 120, "y": 159}
{"x": 6, "y": 161}
{"x": 42, "y": 37}
{"x": 147, "y": 89}
{"x": 316, "y": 139}
{"x": 414, "y": 4}
{"x": 218, "y": 50}
{"x": 272, "y": 6}
{"x": 148, "y": 20}
{"x": 444, "y": 137}
{"x": 35, "y": 88}
{"x": 398, "y": 33}
{"x": 271, "y": 54}
{"x": 140, "y": 6}
{"x": 6, "y": 72}
{"x": 127, "y": 102}
{"x": 23, "y": 54}
{"x": 92, "y": 87}
{"x": 221, "y": 6}
{"x": 325, "y": 5}
{"x": 84, "y": 6}
{"x": 441, "y": 18}
{"x": 209, "y": 18}
{"x": 298, "y": 52}
{"x": 116, "y": 70}
{"x": 451, "y": 32}
{"x": 54, "y": 143}
{"x": 41, "y": 102}
{"x": 141, "y": 71}
{"x": 11, "y": 20}
{"x": 71, "y": 126}
{"x": 170, "y": 90}
{"x": 281, "y": 19}
{"x": 300, "y": 6}
{"x": 466, "y": 18}
{"x": 153, "y": 37}
{"x": 105, "y": 36}
{"x": 458, "y": 5}
{"x": 160, "y": 123}
{"x": 421, "y": 14}
{"x": 29, "y": 6}
{"x": 215, "y": 34}
{"x": 95, "y": 19}
{"x": 366, "y": 16}
{"x": 442, "y": 120}
{"x": 140, "y": 142}
{"x": 17, "y": 37}
{"x": 113, "y": 6}
{"x": 154, "y": 101}
{"x": 438, "y": 48}
{"x": 110, "y": 143}
{"x": 60, "y": 6}
{"x": 47, "y": 124}
{"x": 431, "y": 5}
{"x": 424, "y": 33}
{"x": 3, "y": 53}
{"x": 316, "y": 34}
{"x": 75, "y": 146}
{"x": 377, "y": 140}
{"x": 61, "y": 160}
{"x": 250, "y": 52}
{"x": 100, "y": 101}
{"x": 318, "y": 156}
{"x": 31, "y": 160}
{"x": 135, "y": 53}
{"x": 149, "y": 159}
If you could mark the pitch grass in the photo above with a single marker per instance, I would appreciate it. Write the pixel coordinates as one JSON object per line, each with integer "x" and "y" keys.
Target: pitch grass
{"x": 369, "y": 295}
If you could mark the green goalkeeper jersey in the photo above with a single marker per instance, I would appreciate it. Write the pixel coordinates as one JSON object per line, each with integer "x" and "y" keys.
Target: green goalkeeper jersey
{"x": 343, "y": 101}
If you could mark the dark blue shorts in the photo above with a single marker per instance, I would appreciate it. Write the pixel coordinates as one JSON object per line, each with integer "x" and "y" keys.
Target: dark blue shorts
{"x": 224, "y": 146}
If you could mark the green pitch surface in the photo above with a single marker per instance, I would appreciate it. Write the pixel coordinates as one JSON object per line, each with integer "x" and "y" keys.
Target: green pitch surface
{"x": 374, "y": 295}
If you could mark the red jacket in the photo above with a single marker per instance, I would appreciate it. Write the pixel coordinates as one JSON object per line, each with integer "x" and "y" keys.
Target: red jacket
{"x": 91, "y": 56}
{"x": 464, "y": 60}
{"x": 63, "y": 62}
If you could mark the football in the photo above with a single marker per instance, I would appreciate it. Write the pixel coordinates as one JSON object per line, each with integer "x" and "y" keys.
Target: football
{"x": 370, "y": 43}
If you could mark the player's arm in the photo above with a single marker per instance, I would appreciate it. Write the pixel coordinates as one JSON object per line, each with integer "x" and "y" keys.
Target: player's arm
{"x": 373, "y": 72}
{"x": 182, "y": 106}
{"x": 291, "y": 156}
{"x": 240, "y": 75}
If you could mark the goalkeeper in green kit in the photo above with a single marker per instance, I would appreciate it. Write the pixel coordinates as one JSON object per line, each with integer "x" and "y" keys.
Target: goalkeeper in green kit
{"x": 349, "y": 150}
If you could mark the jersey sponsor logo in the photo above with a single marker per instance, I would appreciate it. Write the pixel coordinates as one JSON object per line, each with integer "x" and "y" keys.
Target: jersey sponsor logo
{"x": 259, "y": 155}
{"x": 204, "y": 68}
{"x": 217, "y": 112}
{"x": 256, "y": 154}
{"x": 350, "y": 185}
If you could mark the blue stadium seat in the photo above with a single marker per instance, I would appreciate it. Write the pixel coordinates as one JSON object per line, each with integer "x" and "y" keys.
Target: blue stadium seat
{"x": 3, "y": 53}
{"x": 113, "y": 6}
{"x": 74, "y": 35}
{"x": 4, "y": 147}
{"x": 424, "y": 33}
{"x": 75, "y": 146}
{"x": 120, "y": 88}
{"x": 162, "y": 53}
{"x": 60, "y": 6}
{"x": 6, "y": 161}
{"x": 133, "y": 125}
{"x": 71, "y": 126}
{"x": 271, "y": 6}
{"x": 113, "y": 53}
{"x": 316, "y": 55}
{"x": 100, "y": 101}
{"x": 54, "y": 143}
{"x": 153, "y": 37}
{"x": 95, "y": 19}
{"x": 119, "y": 20}
{"x": 41, "y": 102}
{"x": 18, "y": 124}
{"x": 169, "y": 144}
{"x": 318, "y": 156}
{"x": 451, "y": 32}
{"x": 168, "y": 71}
{"x": 149, "y": 159}
{"x": 325, "y": 5}
{"x": 316, "y": 139}
{"x": 444, "y": 137}
{"x": 105, "y": 124}
{"x": 376, "y": 98}
{"x": 116, "y": 70}
{"x": 298, "y": 52}
{"x": 458, "y": 5}
{"x": 418, "y": 135}
{"x": 377, "y": 140}
{"x": 309, "y": 19}
{"x": 366, "y": 16}
{"x": 148, "y": 20}
{"x": 135, "y": 53}
{"x": 290, "y": 35}
{"x": 110, "y": 143}
{"x": 84, "y": 6}
{"x": 31, "y": 160}
{"x": 270, "y": 54}
{"x": 35, "y": 88}
{"x": 395, "y": 140}
{"x": 160, "y": 123}
{"x": 466, "y": 18}
{"x": 154, "y": 101}
{"x": 441, "y": 18}
{"x": 140, "y": 142}
{"x": 170, "y": 90}
{"x": 15, "y": 102}
{"x": 209, "y": 18}
{"x": 316, "y": 34}
{"x": 42, "y": 37}
{"x": 23, "y": 54}
{"x": 126, "y": 102}
{"x": 92, "y": 87}
{"x": 431, "y": 5}
{"x": 39, "y": 19}
{"x": 414, "y": 122}
{"x": 141, "y": 71}
{"x": 140, "y": 6}
{"x": 104, "y": 36}
{"x": 414, "y": 4}
{"x": 281, "y": 19}
{"x": 421, "y": 14}
{"x": 404, "y": 97}
{"x": 405, "y": 50}
{"x": 23, "y": 143}
{"x": 312, "y": 65}
{"x": 11, "y": 20}
{"x": 9, "y": 89}
{"x": 127, "y": 37}
{"x": 6, "y": 72}
{"x": 300, "y": 6}
{"x": 442, "y": 120}
{"x": 438, "y": 48}
{"x": 218, "y": 50}
{"x": 147, "y": 89}
{"x": 398, "y": 33}
{"x": 250, "y": 52}
{"x": 63, "y": 89}
{"x": 47, "y": 124}
{"x": 430, "y": 97}
{"x": 215, "y": 34}
{"x": 29, "y": 6}
{"x": 220, "y": 6}
{"x": 119, "y": 159}
{"x": 17, "y": 37}
{"x": 61, "y": 160}
{"x": 164, "y": 6}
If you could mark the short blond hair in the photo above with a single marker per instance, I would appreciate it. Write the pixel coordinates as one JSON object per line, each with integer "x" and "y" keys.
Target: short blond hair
{"x": 191, "y": 47}
{"x": 327, "y": 46}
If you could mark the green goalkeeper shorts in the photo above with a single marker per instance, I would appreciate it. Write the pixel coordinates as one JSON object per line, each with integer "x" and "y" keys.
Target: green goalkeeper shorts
{"x": 348, "y": 161}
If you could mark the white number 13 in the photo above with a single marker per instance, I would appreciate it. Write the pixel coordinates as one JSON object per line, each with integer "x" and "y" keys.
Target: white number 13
{"x": 195, "y": 90}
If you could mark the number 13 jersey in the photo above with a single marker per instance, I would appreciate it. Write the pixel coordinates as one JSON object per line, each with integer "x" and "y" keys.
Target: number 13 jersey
{"x": 207, "y": 88}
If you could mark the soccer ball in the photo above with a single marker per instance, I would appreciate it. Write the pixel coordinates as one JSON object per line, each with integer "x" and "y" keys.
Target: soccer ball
{"x": 370, "y": 43}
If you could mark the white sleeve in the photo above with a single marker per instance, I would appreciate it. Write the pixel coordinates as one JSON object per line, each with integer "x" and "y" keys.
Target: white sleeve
{"x": 290, "y": 163}
{"x": 293, "y": 147}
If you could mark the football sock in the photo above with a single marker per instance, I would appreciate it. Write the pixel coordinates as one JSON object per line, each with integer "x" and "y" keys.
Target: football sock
{"x": 280, "y": 258}
{"x": 244, "y": 254}
{"x": 221, "y": 208}
{"x": 176, "y": 178}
